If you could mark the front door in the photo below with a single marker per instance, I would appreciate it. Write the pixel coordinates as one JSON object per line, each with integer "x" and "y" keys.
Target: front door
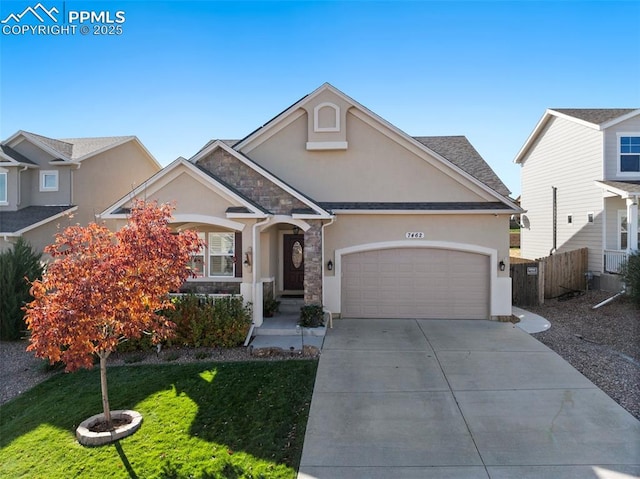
{"x": 293, "y": 264}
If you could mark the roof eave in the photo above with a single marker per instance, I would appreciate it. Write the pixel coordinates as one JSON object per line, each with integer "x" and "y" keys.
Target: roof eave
{"x": 506, "y": 211}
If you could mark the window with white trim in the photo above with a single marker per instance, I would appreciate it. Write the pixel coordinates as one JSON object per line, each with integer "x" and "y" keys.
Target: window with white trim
{"x": 197, "y": 260}
{"x": 49, "y": 180}
{"x": 221, "y": 254}
{"x": 3, "y": 188}
{"x": 622, "y": 229}
{"x": 629, "y": 151}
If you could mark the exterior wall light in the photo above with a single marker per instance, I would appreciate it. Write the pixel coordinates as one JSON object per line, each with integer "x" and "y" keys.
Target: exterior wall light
{"x": 330, "y": 265}
{"x": 502, "y": 265}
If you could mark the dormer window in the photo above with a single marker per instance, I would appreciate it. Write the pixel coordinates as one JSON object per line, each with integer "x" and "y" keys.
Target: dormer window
{"x": 49, "y": 180}
{"x": 629, "y": 150}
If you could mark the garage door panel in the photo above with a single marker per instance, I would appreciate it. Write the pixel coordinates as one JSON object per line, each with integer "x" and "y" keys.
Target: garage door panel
{"x": 415, "y": 283}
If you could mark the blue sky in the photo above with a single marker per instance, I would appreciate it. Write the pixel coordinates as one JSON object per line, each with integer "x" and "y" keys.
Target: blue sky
{"x": 184, "y": 72}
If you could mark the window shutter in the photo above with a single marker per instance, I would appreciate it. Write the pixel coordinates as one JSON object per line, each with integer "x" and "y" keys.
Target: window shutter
{"x": 238, "y": 254}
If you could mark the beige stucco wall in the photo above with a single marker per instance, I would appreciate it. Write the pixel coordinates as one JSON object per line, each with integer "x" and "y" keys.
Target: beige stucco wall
{"x": 369, "y": 170}
{"x": 483, "y": 234}
{"x": 103, "y": 179}
{"x": 488, "y": 231}
{"x": 190, "y": 196}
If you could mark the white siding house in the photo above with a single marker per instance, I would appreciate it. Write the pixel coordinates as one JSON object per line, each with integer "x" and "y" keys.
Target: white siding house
{"x": 580, "y": 186}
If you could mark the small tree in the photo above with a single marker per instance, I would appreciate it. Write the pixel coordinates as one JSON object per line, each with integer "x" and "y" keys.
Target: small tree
{"x": 18, "y": 267}
{"x": 104, "y": 287}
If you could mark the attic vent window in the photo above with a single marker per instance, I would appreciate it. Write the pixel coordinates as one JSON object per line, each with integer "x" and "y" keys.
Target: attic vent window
{"x": 326, "y": 118}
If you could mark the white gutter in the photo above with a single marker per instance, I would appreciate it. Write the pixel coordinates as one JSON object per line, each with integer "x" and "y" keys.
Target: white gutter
{"x": 24, "y": 168}
{"x": 254, "y": 280}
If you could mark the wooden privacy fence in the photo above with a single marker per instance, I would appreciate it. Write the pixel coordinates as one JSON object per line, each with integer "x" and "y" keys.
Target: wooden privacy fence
{"x": 550, "y": 277}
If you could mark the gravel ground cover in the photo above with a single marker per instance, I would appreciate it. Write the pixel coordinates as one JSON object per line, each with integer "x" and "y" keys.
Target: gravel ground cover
{"x": 603, "y": 344}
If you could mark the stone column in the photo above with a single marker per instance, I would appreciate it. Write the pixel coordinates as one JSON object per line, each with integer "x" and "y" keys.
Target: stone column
{"x": 313, "y": 263}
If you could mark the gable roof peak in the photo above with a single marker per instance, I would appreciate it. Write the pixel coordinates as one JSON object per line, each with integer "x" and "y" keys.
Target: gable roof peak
{"x": 595, "y": 116}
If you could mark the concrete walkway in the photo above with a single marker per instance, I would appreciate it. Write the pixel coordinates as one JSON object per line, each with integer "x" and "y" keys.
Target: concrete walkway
{"x": 421, "y": 399}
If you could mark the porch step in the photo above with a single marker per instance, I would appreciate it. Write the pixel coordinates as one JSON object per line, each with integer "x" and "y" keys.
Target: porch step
{"x": 290, "y": 305}
{"x": 286, "y": 325}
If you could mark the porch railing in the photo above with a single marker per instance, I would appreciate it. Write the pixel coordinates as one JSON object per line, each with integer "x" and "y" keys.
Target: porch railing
{"x": 613, "y": 260}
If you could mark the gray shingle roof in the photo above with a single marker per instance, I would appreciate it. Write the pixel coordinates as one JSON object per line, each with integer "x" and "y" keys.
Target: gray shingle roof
{"x": 85, "y": 146}
{"x": 628, "y": 186}
{"x": 10, "y": 152}
{"x": 462, "y": 154}
{"x": 13, "y": 221}
{"x": 75, "y": 148}
{"x": 65, "y": 149}
{"x": 596, "y": 116}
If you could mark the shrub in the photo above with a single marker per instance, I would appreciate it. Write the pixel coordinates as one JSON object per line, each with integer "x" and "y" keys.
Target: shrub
{"x": 208, "y": 322}
{"x": 631, "y": 276}
{"x": 18, "y": 267}
{"x": 311, "y": 316}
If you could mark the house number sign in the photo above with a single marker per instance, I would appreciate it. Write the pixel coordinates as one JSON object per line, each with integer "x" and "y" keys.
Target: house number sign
{"x": 414, "y": 235}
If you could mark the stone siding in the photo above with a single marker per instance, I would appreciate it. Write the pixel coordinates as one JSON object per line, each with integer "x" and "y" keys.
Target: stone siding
{"x": 313, "y": 263}
{"x": 250, "y": 183}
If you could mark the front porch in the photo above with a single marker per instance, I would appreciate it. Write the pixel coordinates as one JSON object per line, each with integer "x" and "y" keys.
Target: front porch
{"x": 282, "y": 331}
{"x": 621, "y": 225}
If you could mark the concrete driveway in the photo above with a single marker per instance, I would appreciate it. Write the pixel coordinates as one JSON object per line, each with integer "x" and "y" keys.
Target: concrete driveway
{"x": 443, "y": 399}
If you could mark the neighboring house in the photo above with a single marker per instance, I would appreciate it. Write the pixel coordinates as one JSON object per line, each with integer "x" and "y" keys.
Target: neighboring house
{"x": 46, "y": 183}
{"x": 580, "y": 187}
{"x": 331, "y": 202}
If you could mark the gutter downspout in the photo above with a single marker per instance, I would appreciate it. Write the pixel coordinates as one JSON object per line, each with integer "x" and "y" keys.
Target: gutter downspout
{"x": 555, "y": 220}
{"x": 71, "y": 180}
{"x": 24, "y": 168}
{"x": 254, "y": 280}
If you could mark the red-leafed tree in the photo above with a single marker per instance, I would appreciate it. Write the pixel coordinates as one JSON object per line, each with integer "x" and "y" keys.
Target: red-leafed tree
{"x": 104, "y": 287}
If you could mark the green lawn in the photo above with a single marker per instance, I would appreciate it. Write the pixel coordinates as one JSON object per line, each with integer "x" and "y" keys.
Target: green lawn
{"x": 205, "y": 420}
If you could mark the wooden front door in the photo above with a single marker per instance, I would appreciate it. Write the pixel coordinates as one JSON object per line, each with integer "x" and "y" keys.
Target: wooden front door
{"x": 293, "y": 264}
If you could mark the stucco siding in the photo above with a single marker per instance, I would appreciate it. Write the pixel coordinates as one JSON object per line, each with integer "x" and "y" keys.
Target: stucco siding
{"x": 611, "y": 149}
{"x": 35, "y": 154}
{"x": 368, "y": 170}
{"x": 61, "y": 196}
{"x": 12, "y": 189}
{"x": 482, "y": 230}
{"x": 192, "y": 197}
{"x": 107, "y": 177}
{"x": 567, "y": 156}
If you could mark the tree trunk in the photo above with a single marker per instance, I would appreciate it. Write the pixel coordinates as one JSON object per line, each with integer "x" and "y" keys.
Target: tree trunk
{"x": 103, "y": 384}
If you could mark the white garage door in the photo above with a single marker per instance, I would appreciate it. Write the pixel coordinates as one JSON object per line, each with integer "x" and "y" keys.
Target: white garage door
{"x": 415, "y": 283}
